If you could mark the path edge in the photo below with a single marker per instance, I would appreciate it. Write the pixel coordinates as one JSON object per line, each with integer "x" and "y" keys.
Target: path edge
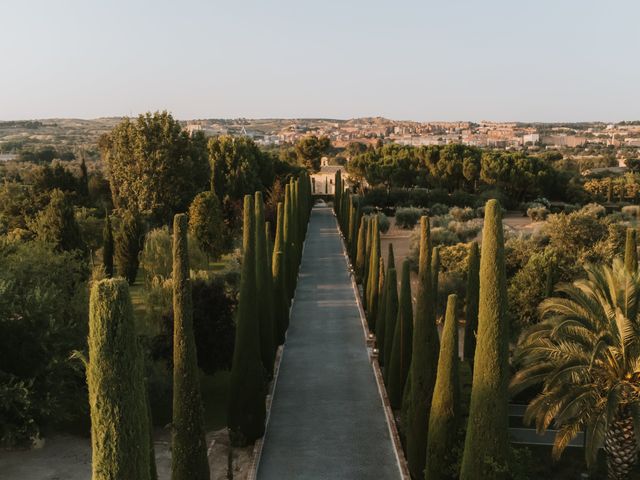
{"x": 386, "y": 405}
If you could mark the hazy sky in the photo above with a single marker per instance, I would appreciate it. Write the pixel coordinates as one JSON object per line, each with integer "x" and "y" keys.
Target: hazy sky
{"x": 542, "y": 60}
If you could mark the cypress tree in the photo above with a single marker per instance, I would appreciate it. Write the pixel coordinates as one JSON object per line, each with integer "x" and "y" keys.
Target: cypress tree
{"x": 119, "y": 416}
{"x": 189, "y": 448}
{"x": 372, "y": 284}
{"x": 107, "y": 247}
{"x": 402, "y": 338}
{"x": 326, "y": 185}
{"x": 281, "y": 303}
{"x": 391, "y": 314}
{"x": 360, "y": 249}
{"x": 337, "y": 194}
{"x": 424, "y": 358}
{"x": 56, "y": 224}
{"x": 487, "y": 430}
{"x": 381, "y": 299}
{"x": 382, "y": 306}
{"x": 247, "y": 391}
{"x": 264, "y": 289}
{"x": 471, "y": 310}
{"x": 445, "y": 407}
{"x": 288, "y": 251}
{"x": 435, "y": 272}
{"x": 367, "y": 257}
{"x": 84, "y": 177}
{"x": 129, "y": 242}
{"x": 351, "y": 235}
{"x": 631, "y": 251}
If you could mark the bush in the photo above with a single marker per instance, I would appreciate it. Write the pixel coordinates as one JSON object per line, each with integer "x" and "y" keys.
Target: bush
{"x": 460, "y": 198}
{"x": 43, "y": 319}
{"x": 466, "y": 231}
{"x": 408, "y": 217}
{"x": 443, "y": 236}
{"x": 462, "y": 214}
{"x": 438, "y": 209}
{"x": 594, "y": 210}
{"x": 537, "y": 212}
{"x": 631, "y": 211}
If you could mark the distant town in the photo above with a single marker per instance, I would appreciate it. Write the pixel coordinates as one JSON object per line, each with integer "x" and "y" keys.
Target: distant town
{"x": 483, "y": 134}
{"x": 621, "y": 139}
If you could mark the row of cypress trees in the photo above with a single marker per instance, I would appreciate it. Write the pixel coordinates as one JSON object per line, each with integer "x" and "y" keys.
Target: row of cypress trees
{"x": 421, "y": 371}
{"x": 121, "y": 426}
{"x": 267, "y": 286}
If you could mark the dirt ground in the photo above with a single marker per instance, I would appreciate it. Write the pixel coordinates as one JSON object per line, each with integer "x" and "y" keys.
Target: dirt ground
{"x": 69, "y": 458}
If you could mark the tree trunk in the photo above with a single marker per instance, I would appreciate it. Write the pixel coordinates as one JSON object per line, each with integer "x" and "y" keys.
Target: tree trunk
{"x": 621, "y": 448}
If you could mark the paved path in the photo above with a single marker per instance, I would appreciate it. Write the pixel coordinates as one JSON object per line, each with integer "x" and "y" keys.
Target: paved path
{"x": 327, "y": 420}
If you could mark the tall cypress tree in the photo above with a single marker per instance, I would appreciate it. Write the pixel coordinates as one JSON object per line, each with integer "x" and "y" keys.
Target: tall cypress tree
{"x": 288, "y": 250}
{"x": 337, "y": 194}
{"x": 107, "y": 247}
{"x": 351, "y": 234}
{"x": 360, "y": 250}
{"x": 372, "y": 284}
{"x": 353, "y": 231}
{"x": 84, "y": 177}
{"x": 422, "y": 373}
{"x": 487, "y": 431}
{"x": 391, "y": 314}
{"x": 367, "y": 257}
{"x": 189, "y": 448}
{"x": 281, "y": 302}
{"x": 382, "y": 307}
{"x": 247, "y": 391}
{"x": 631, "y": 251}
{"x": 435, "y": 272}
{"x": 402, "y": 338}
{"x": 445, "y": 407}
{"x": 119, "y": 416}
{"x": 471, "y": 309}
{"x": 128, "y": 245}
{"x": 264, "y": 289}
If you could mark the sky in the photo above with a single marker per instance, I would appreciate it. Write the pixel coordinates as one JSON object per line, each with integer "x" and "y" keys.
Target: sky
{"x": 424, "y": 60}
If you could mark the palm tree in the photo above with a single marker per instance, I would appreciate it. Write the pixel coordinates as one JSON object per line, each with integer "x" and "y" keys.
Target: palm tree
{"x": 586, "y": 354}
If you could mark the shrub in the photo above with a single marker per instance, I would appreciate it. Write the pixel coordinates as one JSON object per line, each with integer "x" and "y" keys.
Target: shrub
{"x": 443, "y": 236}
{"x": 43, "y": 319}
{"x": 438, "y": 209}
{"x": 462, "y": 214}
{"x": 383, "y": 223}
{"x": 537, "y": 212}
{"x": 631, "y": 211}
{"x": 594, "y": 209}
{"x": 466, "y": 231}
{"x": 460, "y": 198}
{"x": 407, "y": 218}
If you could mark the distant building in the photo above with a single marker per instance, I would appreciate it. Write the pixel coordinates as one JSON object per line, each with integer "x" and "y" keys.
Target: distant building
{"x": 563, "y": 140}
{"x": 322, "y": 183}
{"x": 532, "y": 138}
{"x": 8, "y": 157}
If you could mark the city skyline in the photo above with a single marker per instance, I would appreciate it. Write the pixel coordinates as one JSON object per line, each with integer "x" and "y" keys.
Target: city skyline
{"x": 419, "y": 61}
